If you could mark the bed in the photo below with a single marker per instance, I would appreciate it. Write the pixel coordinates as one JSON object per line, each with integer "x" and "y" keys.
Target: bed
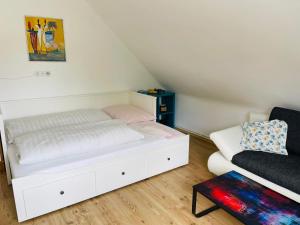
{"x": 77, "y": 177}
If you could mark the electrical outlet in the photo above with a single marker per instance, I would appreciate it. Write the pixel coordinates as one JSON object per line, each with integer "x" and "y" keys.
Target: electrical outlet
{"x": 42, "y": 73}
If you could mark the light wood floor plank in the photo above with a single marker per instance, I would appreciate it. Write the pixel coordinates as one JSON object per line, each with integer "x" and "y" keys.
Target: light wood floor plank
{"x": 161, "y": 200}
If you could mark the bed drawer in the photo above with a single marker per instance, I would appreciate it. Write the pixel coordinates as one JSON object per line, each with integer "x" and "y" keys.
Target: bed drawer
{"x": 167, "y": 159}
{"x": 120, "y": 174}
{"x": 59, "y": 194}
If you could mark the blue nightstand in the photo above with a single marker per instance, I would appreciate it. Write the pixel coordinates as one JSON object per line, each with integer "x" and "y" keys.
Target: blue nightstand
{"x": 165, "y": 106}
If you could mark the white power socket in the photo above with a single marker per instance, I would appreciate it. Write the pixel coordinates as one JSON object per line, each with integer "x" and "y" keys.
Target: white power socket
{"x": 42, "y": 73}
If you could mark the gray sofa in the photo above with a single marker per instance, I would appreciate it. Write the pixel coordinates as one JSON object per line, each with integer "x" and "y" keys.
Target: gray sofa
{"x": 278, "y": 172}
{"x": 280, "y": 169}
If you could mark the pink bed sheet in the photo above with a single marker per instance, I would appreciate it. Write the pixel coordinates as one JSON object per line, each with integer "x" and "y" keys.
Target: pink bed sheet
{"x": 154, "y": 128}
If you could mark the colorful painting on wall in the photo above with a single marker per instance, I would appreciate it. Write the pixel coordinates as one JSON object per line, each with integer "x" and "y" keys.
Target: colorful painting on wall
{"x": 45, "y": 39}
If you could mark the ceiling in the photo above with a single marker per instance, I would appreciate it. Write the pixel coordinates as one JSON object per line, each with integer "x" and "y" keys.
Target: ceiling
{"x": 244, "y": 52}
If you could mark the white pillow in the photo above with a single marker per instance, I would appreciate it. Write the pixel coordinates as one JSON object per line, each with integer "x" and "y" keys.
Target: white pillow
{"x": 228, "y": 141}
{"x": 256, "y": 117}
{"x": 268, "y": 136}
{"x": 20, "y": 126}
{"x": 128, "y": 113}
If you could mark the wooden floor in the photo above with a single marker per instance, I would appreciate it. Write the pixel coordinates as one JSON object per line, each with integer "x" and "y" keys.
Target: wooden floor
{"x": 161, "y": 200}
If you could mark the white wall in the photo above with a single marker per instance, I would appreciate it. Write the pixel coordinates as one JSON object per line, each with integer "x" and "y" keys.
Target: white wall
{"x": 233, "y": 56}
{"x": 96, "y": 59}
{"x": 204, "y": 116}
{"x": 245, "y": 52}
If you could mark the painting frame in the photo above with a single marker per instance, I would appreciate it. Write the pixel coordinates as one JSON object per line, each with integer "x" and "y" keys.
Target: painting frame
{"x": 45, "y": 39}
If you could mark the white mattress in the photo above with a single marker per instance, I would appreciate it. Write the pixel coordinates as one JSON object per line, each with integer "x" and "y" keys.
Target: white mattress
{"x": 152, "y": 139}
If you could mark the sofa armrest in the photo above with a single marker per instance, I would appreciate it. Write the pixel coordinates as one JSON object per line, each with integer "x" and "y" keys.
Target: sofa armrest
{"x": 228, "y": 141}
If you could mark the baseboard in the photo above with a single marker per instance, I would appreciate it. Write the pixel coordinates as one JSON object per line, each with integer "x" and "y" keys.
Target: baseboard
{"x": 196, "y": 135}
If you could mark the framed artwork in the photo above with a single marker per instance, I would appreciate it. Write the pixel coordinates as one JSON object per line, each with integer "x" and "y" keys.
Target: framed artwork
{"x": 45, "y": 39}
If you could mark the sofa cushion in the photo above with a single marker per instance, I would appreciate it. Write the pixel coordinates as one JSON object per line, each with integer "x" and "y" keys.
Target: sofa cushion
{"x": 228, "y": 141}
{"x": 265, "y": 136}
{"x": 292, "y": 118}
{"x": 279, "y": 169}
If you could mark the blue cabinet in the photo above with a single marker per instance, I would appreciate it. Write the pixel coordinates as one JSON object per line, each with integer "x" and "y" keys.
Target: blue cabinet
{"x": 165, "y": 106}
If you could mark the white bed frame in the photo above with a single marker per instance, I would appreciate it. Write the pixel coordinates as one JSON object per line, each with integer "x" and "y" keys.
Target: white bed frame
{"x": 39, "y": 194}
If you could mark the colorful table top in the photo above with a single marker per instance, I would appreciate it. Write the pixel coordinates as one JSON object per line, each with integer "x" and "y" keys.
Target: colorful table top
{"x": 249, "y": 201}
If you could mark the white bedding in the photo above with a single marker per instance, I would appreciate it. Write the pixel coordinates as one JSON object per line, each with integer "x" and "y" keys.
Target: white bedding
{"x": 154, "y": 128}
{"x": 20, "y": 126}
{"x": 151, "y": 140}
{"x": 57, "y": 142}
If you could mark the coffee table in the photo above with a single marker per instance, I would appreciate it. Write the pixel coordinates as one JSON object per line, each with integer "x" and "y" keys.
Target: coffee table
{"x": 247, "y": 200}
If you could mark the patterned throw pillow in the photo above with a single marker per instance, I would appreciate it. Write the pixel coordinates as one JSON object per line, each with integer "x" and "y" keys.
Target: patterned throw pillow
{"x": 268, "y": 136}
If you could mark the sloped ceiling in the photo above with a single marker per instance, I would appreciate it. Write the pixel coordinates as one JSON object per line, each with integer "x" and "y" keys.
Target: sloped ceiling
{"x": 245, "y": 52}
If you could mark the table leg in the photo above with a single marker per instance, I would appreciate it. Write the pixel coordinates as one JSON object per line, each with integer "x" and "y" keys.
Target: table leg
{"x": 194, "y": 206}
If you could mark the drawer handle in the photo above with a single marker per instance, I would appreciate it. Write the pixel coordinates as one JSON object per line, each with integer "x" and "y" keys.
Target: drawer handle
{"x": 169, "y": 158}
{"x": 123, "y": 173}
{"x": 61, "y": 192}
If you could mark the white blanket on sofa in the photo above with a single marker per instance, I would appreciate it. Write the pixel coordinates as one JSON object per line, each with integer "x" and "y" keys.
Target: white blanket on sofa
{"x": 57, "y": 142}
